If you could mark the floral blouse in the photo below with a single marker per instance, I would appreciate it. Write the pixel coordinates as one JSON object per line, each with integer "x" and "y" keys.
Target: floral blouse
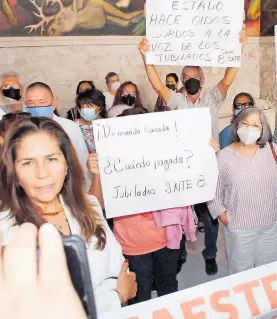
{"x": 87, "y": 131}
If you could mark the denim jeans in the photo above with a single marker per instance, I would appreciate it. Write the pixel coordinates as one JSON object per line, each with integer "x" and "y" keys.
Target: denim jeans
{"x": 160, "y": 267}
{"x": 211, "y": 230}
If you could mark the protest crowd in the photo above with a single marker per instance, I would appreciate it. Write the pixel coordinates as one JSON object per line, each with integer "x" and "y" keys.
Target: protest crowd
{"x": 49, "y": 176}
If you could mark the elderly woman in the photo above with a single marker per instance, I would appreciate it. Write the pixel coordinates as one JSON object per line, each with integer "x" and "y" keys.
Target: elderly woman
{"x": 246, "y": 196}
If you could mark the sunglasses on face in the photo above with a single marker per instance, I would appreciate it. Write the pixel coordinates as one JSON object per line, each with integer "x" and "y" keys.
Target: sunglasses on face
{"x": 240, "y": 106}
{"x": 9, "y": 86}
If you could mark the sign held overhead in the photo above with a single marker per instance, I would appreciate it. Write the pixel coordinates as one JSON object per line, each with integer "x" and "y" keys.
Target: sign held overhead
{"x": 202, "y": 33}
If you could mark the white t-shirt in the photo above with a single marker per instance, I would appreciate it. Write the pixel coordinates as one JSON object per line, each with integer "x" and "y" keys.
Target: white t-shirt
{"x": 109, "y": 100}
{"x": 73, "y": 131}
{"x": 1, "y": 114}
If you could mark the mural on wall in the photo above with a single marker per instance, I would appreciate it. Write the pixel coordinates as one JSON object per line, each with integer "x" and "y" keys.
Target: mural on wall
{"x": 71, "y": 17}
{"x": 269, "y": 17}
{"x": 252, "y": 17}
{"x": 102, "y": 17}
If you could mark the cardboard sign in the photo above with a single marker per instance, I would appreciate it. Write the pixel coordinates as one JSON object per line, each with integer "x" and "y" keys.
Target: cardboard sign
{"x": 202, "y": 33}
{"x": 250, "y": 294}
{"x": 156, "y": 161}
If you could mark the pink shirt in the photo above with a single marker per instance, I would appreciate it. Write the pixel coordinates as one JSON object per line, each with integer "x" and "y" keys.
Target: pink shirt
{"x": 175, "y": 221}
{"x": 139, "y": 234}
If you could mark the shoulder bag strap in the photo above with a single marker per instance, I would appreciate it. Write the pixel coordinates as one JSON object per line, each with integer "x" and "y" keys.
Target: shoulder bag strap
{"x": 273, "y": 152}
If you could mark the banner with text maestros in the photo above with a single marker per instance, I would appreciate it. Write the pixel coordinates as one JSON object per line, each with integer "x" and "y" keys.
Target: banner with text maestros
{"x": 203, "y": 33}
{"x": 249, "y": 294}
{"x": 156, "y": 161}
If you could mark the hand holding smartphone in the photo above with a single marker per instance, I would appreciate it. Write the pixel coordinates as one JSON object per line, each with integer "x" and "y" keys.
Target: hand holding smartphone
{"x": 77, "y": 263}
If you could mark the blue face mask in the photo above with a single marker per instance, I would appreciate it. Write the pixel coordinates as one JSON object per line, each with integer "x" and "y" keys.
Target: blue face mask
{"x": 38, "y": 111}
{"x": 88, "y": 114}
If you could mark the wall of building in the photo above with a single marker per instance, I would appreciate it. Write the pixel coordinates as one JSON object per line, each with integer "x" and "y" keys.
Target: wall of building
{"x": 63, "y": 63}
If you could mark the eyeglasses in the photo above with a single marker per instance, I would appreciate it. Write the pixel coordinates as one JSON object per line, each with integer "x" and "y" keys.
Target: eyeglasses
{"x": 9, "y": 86}
{"x": 246, "y": 125}
{"x": 240, "y": 106}
{"x": 15, "y": 116}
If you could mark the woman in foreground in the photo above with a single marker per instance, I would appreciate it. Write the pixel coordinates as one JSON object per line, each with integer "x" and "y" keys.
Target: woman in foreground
{"x": 41, "y": 181}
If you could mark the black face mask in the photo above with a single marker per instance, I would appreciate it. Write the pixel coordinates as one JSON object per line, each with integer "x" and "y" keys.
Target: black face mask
{"x": 129, "y": 100}
{"x": 171, "y": 87}
{"x": 12, "y": 93}
{"x": 192, "y": 86}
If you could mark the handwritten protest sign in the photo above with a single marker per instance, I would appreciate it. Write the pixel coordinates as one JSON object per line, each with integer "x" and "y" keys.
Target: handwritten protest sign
{"x": 204, "y": 33}
{"x": 156, "y": 161}
{"x": 250, "y": 294}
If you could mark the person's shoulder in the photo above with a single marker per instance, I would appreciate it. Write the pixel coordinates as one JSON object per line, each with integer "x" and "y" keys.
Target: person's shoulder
{"x": 6, "y": 222}
{"x": 226, "y": 129}
{"x": 4, "y": 215}
{"x": 224, "y": 154}
{"x": 1, "y": 113}
{"x": 67, "y": 124}
{"x": 117, "y": 110}
{"x": 212, "y": 92}
{"x": 176, "y": 96}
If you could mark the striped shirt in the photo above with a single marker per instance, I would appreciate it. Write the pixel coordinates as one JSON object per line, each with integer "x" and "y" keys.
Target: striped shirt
{"x": 211, "y": 98}
{"x": 246, "y": 188}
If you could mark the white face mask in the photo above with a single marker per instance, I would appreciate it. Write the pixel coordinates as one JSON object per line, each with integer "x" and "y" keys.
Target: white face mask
{"x": 248, "y": 135}
{"x": 115, "y": 86}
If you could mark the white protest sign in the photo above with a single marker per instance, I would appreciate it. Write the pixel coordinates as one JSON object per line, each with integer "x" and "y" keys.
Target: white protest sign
{"x": 202, "y": 33}
{"x": 156, "y": 161}
{"x": 249, "y": 294}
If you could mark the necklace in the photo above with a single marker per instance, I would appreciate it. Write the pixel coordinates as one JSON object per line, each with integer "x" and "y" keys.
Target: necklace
{"x": 61, "y": 210}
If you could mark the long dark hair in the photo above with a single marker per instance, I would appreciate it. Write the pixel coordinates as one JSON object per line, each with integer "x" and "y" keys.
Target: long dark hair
{"x": 93, "y": 97}
{"x": 117, "y": 99}
{"x": 14, "y": 198}
{"x": 81, "y": 82}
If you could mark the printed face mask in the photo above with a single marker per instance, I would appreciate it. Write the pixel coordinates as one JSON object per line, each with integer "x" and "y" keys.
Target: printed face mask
{"x": 115, "y": 86}
{"x": 12, "y": 93}
{"x": 192, "y": 86}
{"x": 41, "y": 111}
{"x": 129, "y": 99}
{"x": 248, "y": 135}
{"x": 88, "y": 114}
{"x": 171, "y": 87}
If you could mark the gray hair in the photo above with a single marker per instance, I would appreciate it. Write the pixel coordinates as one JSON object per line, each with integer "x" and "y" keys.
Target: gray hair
{"x": 202, "y": 77}
{"x": 266, "y": 135}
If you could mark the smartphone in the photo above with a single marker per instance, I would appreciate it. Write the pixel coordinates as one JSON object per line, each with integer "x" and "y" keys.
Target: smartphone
{"x": 77, "y": 262}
